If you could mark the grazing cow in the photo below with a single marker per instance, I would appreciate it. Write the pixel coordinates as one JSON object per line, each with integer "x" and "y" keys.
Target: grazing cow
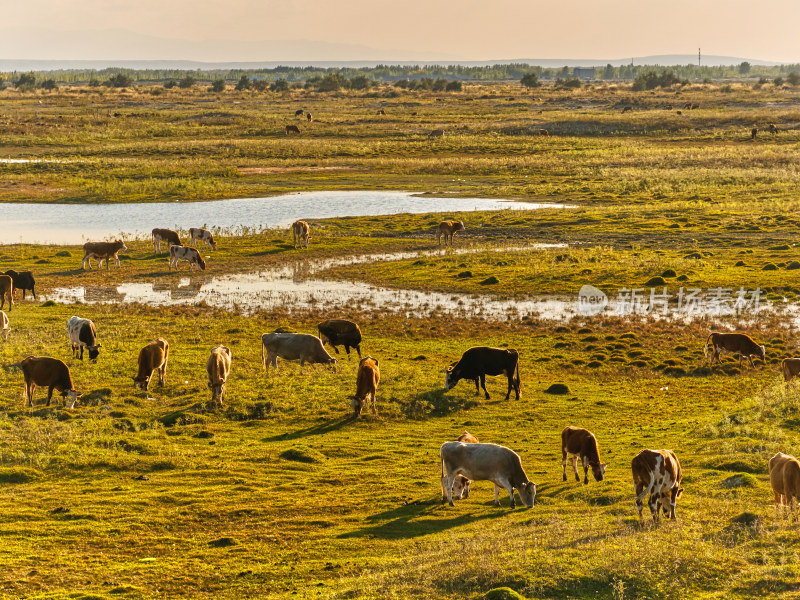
{"x": 102, "y": 251}
{"x": 6, "y": 291}
{"x": 753, "y": 133}
{"x": 485, "y": 462}
{"x": 190, "y": 255}
{"x": 381, "y": 112}
{"x": 790, "y": 367}
{"x": 153, "y": 356}
{"x": 338, "y": 332}
{"x": 735, "y": 343}
{"x": 82, "y": 335}
{"x": 480, "y": 361}
{"x": 773, "y": 129}
{"x": 436, "y": 133}
{"x": 626, "y": 109}
{"x": 169, "y": 236}
{"x": 299, "y": 112}
{"x": 687, "y": 105}
{"x": 309, "y": 118}
{"x": 23, "y": 281}
{"x": 461, "y": 485}
{"x": 300, "y": 233}
{"x": 219, "y": 368}
{"x": 369, "y": 376}
{"x": 581, "y": 443}
{"x": 4, "y": 324}
{"x": 657, "y": 473}
{"x": 784, "y": 476}
{"x": 695, "y": 106}
{"x": 51, "y": 373}
{"x": 292, "y": 129}
{"x": 448, "y": 229}
{"x": 198, "y": 234}
{"x": 544, "y": 133}
{"x": 293, "y": 346}
{"x": 679, "y": 112}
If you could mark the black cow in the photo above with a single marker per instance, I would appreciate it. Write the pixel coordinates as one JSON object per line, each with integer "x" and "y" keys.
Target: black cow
{"x": 22, "y": 281}
{"x": 480, "y": 361}
{"x": 338, "y": 332}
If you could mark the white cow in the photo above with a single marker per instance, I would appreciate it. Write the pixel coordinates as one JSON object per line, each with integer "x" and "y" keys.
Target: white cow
{"x": 485, "y": 462}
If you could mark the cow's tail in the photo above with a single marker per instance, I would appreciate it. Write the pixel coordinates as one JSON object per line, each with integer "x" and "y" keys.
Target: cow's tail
{"x": 516, "y": 378}
{"x": 705, "y": 348}
{"x": 263, "y": 360}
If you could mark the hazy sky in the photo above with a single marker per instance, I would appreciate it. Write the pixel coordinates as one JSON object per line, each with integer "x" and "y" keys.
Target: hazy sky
{"x": 463, "y": 29}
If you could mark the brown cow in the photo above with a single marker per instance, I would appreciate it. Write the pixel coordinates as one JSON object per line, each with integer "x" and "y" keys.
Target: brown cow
{"x": 436, "y": 133}
{"x": 581, "y": 443}
{"x": 657, "y": 473}
{"x": 4, "y": 324}
{"x": 366, "y": 385}
{"x": 544, "y": 133}
{"x": 218, "y": 366}
{"x": 773, "y": 129}
{"x": 102, "y": 251}
{"x": 153, "y": 356}
{"x": 292, "y": 129}
{"x": 627, "y": 109}
{"x": 6, "y": 291}
{"x": 51, "y": 373}
{"x": 736, "y": 343}
{"x": 300, "y": 233}
{"x": 790, "y": 367}
{"x": 309, "y": 118}
{"x": 299, "y": 112}
{"x": 784, "y": 476}
{"x": 753, "y": 133}
{"x": 169, "y": 236}
{"x": 448, "y": 230}
{"x": 381, "y": 112}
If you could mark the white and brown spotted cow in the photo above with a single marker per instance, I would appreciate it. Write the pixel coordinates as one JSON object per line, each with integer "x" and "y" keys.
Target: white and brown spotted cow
{"x": 190, "y": 255}
{"x": 82, "y": 335}
{"x": 735, "y": 343}
{"x": 300, "y": 233}
{"x": 448, "y": 230}
{"x": 198, "y": 234}
{"x": 657, "y": 473}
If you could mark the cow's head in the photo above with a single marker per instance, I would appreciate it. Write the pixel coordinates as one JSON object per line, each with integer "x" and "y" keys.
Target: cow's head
{"x": 598, "y": 470}
{"x": 461, "y": 487}
{"x": 212, "y": 242}
{"x": 122, "y": 245}
{"x": 217, "y": 391}
{"x": 460, "y": 225}
{"x": 141, "y": 382}
{"x": 71, "y": 397}
{"x": 763, "y": 352}
{"x": 201, "y": 262}
{"x": 94, "y": 351}
{"x": 357, "y": 404}
{"x": 451, "y": 376}
{"x": 527, "y": 493}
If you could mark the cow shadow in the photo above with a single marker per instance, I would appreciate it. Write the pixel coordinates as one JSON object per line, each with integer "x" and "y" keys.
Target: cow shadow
{"x": 319, "y": 429}
{"x": 417, "y": 519}
{"x": 436, "y": 403}
{"x": 278, "y": 250}
{"x": 70, "y": 272}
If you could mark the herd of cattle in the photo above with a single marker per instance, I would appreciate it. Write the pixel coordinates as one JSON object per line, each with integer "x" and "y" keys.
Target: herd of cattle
{"x": 656, "y": 473}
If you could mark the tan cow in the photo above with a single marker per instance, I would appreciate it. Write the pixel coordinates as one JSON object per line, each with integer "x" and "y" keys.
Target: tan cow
{"x": 198, "y": 234}
{"x": 169, "y": 236}
{"x": 153, "y": 356}
{"x": 51, "y": 373}
{"x": 657, "y": 473}
{"x": 6, "y": 291}
{"x": 369, "y": 376}
{"x": 219, "y": 368}
{"x": 4, "y": 324}
{"x": 102, "y": 251}
{"x": 735, "y": 343}
{"x": 300, "y": 233}
{"x": 581, "y": 443}
{"x": 790, "y": 367}
{"x": 462, "y": 485}
{"x": 784, "y": 476}
{"x": 448, "y": 229}
{"x": 292, "y": 129}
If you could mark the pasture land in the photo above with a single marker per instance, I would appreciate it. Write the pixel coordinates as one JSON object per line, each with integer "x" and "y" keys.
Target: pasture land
{"x": 280, "y": 493}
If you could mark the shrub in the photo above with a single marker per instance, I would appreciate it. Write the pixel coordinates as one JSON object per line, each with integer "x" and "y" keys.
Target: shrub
{"x": 170, "y": 83}
{"x": 530, "y": 80}
{"x": 454, "y": 86}
{"x": 793, "y": 78}
{"x": 332, "y": 82}
{"x": 187, "y": 82}
{"x": 777, "y": 82}
{"x": 49, "y": 84}
{"x": 26, "y": 81}
{"x": 243, "y": 83}
{"x": 279, "y": 85}
{"x": 572, "y": 83}
{"x": 652, "y": 80}
{"x": 360, "y": 82}
{"x": 218, "y": 85}
{"x": 120, "y": 80}
{"x": 260, "y": 85}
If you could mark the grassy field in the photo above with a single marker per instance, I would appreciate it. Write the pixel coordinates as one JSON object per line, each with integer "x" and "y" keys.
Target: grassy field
{"x": 280, "y": 493}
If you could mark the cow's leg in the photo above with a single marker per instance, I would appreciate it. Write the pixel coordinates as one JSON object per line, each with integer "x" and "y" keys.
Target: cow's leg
{"x": 510, "y": 385}
{"x": 483, "y": 385}
{"x": 585, "y": 464}
{"x": 449, "y": 478}
{"x": 509, "y": 488}
{"x": 752, "y": 364}
{"x": 564, "y": 461}
{"x": 477, "y": 388}
{"x": 358, "y": 349}
{"x": 335, "y": 349}
{"x": 653, "y": 502}
{"x": 49, "y": 394}
{"x": 641, "y": 491}
{"x": 29, "y": 389}
{"x": 81, "y": 351}
{"x": 575, "y": 467}
{"x": 347, "y": 349}
{"x": 374, "y": 406}
{"x": 496, "y": 495}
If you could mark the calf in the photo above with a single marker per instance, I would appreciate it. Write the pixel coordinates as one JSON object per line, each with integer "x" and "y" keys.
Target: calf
{"x": 202, "y": 235}
{"x": 300, "y": 233}
{"x": 461, "y": 485}
{"x": 82, "y": 335}
{"x": 448, "y": 229}
{"x": 218, "y": 366}
{"x": 102, "y": 251}
{"x": 51, "y": 373}
{"x": 790, "y": 367}
{"x": 338, "y": 332}
{"x": 366, "y": 385}
{"x": 735, "y": 343}
{"x": 153, "y": 356}
{"x": 23, "y": 281}
{"x": 485, "y": 462}
{"x": 657, "y": 473}
{"x": 480, "y": 361}
{"x": 293, "y": 346}
{"x": 4, "y": 324}
{"x": 6, "y": 291}
{"x": 581, "y": 442}
{"x": 784, "y": 476}
{"x": 190, "y": 255}
{"x": 170, "y": 237}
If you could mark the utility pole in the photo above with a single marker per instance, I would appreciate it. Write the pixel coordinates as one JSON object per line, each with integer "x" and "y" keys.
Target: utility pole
{"x": 698, "y": 57}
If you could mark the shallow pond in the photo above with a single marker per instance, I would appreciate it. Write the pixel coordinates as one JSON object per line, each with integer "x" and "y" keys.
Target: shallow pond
{"x": 78, "y": 223}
